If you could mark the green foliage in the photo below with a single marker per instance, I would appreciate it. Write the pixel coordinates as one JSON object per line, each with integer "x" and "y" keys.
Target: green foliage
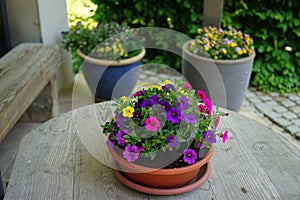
{"x": 275, "y": 27}
{"x": 180, "y": 15}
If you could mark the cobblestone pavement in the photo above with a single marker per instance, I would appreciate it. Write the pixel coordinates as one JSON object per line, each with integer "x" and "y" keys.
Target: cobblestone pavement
{"x": 280, "y": 113}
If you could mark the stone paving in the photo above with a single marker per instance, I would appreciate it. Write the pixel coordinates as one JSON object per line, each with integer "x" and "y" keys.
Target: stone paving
{"x": 281, "y": 113}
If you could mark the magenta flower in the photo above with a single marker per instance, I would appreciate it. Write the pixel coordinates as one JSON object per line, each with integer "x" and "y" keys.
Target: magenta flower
{"x": 209, "y": 137}
{"x": 199, "y": 144}
{"x": 216, "y": 122}
{"x": 201, "y": 95}
{"x": 201, "y": 108}
{"x": 208, "y": 105}
{"x": 225, "y": 136}
{"x": 138, "y": 93}
{"x": 189, "y": 118}
{"x": 174, "y": 115}
{"x": 171, "y": 140}
{"x": 131, "y": 153}
{"x": 187, "y": 86}
{"x": 189, "y": 156}
{"x": 152, "y": 124}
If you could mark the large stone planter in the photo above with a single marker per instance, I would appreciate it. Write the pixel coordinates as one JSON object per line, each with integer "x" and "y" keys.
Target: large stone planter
{"x": 110, "y": 79}
{"x": 224, "y": 81}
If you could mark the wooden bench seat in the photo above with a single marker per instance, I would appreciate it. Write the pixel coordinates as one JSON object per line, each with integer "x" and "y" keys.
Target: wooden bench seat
{"x": 25, "y": 72}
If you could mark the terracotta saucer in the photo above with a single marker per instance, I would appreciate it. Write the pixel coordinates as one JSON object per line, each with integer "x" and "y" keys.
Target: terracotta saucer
{"x": 193, "y": 184}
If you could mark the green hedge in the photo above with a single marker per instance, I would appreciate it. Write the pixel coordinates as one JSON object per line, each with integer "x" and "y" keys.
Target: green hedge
{"x": 274, "y": 25}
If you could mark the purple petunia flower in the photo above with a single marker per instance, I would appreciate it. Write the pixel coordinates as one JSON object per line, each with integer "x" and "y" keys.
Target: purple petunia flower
{"x": 189, "y": 156}
{"x": 173, "y": 115}
{"x": 119, "y": 119}
{"x": 131, "y": 153}
{"x": 153, "y": 99}
{"x": 165, "y": 105}
{"x": 184, "y": 103}
{"x": 119, "y": 137}
{"x": 169, "y": 86}
{"x": 110, "y": 140}
{"x": 171, "y": 140}
{"x": 209, "y": 137}
{"x": 145, "y": 104}
{"x": 189, "y": 118}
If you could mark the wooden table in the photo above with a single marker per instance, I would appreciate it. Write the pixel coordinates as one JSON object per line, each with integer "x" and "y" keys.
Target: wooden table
{"x": 55, "y": 162}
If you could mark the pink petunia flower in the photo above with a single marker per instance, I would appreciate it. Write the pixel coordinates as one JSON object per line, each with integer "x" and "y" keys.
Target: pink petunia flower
{"x": 225, "y": 136}
{"x": 216, "y": 122}
{"x": 208, "y": 105}
{"x": 187, "y": 86}
{"x": 152, "y": 124}
{"x": 201, "y": 95}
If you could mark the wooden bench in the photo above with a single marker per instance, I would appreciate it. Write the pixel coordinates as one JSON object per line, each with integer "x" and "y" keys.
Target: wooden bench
{"x": 25, "y": 72}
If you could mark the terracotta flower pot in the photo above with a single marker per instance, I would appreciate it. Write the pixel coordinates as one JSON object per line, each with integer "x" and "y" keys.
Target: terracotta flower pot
{"x": 160, "y": 178}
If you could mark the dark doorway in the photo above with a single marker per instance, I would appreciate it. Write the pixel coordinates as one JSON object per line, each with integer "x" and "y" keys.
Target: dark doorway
{"x": 5, "y": 42}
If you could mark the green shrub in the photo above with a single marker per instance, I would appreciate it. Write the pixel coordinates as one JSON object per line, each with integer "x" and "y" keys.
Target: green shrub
{"x": 274, "y": 26}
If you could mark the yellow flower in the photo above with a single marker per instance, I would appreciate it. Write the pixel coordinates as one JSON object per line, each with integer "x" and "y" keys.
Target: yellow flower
{"x": 234, "y": 44}
{"x": 166, "y": 82}
{"x": 128, "y": 111}
{"x": 200, "y": 30}
{"x": 182, "y": 91}
{"x": 100, "y": 50}
{"x": 158, "y": 87}
{"x": 123, "y": 98}
{"x": 107, "y": 49}
{"x": 206, "y": 47}
{"x": 111, "y": 119}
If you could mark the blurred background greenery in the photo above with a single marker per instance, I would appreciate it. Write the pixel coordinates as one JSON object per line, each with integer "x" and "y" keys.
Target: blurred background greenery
{"x": 274, "y": 26}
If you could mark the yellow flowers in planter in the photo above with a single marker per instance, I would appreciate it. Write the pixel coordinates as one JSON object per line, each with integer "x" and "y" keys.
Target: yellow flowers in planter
{"x": 222, "y": 44}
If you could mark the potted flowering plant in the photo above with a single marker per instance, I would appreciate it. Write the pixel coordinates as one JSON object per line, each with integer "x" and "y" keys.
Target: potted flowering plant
{"x": 163, "y": 135}
{"x": 109, "y": 51}
{"x": 223, "y": 60}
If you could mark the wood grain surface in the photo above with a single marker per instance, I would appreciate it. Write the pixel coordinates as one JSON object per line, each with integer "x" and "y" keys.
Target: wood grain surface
{"x": 54, "y": 162}
{"x": 24, "y": 73}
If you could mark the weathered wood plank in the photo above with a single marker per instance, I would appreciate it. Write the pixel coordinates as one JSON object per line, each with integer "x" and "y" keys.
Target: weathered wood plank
{"x": 55, "y": 162}
{"x": 44, "y": 166}
{"x": 251, "y": 164}
{"x": 24, "y": 72}
{"x": 212, "y": 13}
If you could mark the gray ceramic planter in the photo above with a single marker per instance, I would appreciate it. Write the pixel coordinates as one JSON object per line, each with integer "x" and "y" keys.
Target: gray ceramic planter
{"x": 224, "y": 81}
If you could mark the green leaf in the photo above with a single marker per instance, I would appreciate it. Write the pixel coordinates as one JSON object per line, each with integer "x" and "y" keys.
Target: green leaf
{"x": 261, "y": 49}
